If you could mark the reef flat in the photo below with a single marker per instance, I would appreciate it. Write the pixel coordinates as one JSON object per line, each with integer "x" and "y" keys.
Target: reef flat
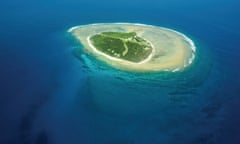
{"x": 136, "y": 47}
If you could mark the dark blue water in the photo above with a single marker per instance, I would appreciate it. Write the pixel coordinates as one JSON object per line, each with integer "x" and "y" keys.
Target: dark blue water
{"x": 48, "y": 96}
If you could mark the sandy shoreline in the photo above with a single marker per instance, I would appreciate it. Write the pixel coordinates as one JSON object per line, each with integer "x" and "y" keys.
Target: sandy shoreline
{"x": 116, "y": 59}
{"x": 172, "y": 50}
{"x": 187, "y": 39}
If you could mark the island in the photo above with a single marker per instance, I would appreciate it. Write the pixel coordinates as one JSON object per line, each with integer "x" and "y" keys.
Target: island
{"x": 136, "y": 47}
{"x": 125, "y": 46}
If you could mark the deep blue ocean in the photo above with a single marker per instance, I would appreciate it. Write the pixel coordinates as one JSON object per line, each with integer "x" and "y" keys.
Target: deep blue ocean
{"x": 49, "y": 96}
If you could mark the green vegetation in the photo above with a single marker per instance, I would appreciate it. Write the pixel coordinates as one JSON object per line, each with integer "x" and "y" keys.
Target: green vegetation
{"x": 126, "y": 46}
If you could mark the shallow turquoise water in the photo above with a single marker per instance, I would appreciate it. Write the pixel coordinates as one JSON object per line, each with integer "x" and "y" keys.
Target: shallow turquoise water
{"x": 48, "y": 96}
{"x": 162, "y": 102}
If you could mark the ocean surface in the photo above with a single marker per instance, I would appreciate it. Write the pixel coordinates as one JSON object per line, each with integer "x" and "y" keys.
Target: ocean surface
{"x": 50, "y": 95}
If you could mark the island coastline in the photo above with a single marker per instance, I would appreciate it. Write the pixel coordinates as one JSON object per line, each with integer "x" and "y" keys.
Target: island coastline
{"x": 132, "y": 66}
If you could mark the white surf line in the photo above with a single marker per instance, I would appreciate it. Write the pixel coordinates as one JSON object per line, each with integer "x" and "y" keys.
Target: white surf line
{"x": 73, "y": 28}
{"x": 192, "y": 45}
